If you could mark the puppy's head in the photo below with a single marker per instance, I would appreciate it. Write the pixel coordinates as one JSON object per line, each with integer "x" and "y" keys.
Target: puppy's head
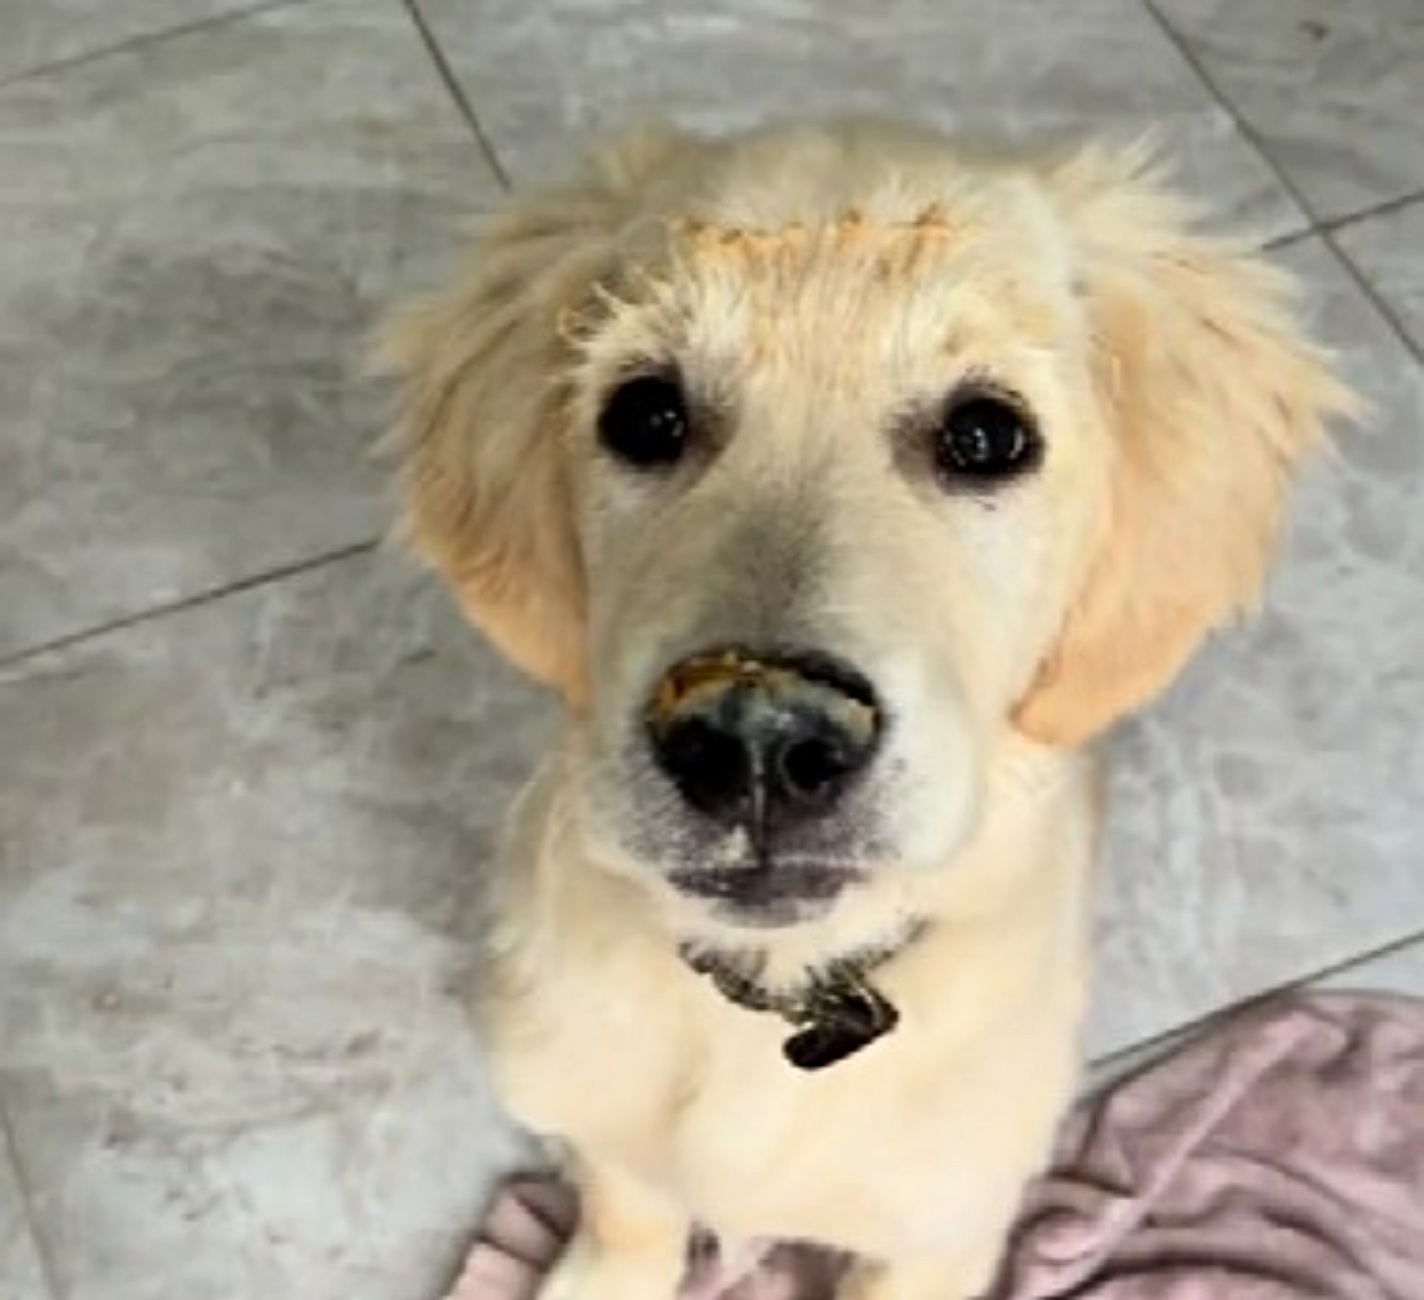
{"x": 810, "y": 465}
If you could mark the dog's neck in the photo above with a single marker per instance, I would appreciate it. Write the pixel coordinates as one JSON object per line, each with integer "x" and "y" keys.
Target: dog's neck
{"x": 824, "y": 981}
{"x": 835, "y": 1009}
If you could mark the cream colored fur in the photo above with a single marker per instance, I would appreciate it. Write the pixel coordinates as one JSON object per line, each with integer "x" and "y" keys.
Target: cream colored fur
{"x": 816, "y": 282}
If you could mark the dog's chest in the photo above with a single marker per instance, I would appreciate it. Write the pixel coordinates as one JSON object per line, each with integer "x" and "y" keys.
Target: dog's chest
{"x": 911, "y": 1145}
{"x": 914, "y": 1144}
{"x": 840, "y": 1155}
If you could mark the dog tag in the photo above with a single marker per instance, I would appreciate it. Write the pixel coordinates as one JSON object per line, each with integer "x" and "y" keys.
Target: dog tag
{"x": 845, "y": 1018}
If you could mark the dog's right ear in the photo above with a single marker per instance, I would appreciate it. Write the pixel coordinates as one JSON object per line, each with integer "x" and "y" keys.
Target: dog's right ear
{"x": 484, "y": 406}
{"x": 1214, "y": 398}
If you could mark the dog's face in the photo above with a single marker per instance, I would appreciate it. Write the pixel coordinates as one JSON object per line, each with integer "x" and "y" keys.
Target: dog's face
{"x": 810, "y": 466}
{"x": 831, "y": 483}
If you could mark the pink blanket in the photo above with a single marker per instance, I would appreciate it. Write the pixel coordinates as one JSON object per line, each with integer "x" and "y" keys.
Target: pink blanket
{"x": 1279, "y": 1157}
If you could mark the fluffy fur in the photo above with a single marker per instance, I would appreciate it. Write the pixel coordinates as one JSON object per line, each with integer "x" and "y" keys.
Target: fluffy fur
{"x": 819, "y": 289}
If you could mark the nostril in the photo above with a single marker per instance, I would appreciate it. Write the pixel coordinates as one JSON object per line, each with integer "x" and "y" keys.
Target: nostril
{"x": 712, "y": 767}
{"x": 814, "y": 767}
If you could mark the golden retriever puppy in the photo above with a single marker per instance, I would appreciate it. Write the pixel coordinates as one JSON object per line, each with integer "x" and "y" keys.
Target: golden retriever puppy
{"x": 845, "y": 485}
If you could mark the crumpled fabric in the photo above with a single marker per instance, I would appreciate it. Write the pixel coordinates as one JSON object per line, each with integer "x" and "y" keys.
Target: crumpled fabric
{"x": 1280, "y": 1156}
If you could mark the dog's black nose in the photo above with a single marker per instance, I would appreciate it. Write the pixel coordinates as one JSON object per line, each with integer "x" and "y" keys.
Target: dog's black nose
{"x": 763, "y": 740}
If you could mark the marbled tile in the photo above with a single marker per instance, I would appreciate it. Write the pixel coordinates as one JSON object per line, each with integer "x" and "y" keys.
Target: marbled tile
{"x": 195, "y": 239}
{"x": 1335, "y": 91}
{"x": 1389, "y": 251}
{"x": 1266, "y": 817}
{"x": 368, "y": 1187}
{"x": 39, "y": 32}
{"x": 541, "y": 74}
{"x": 1400, "y": 971}
{"x": 240, "y": 876}
{"x": 21, "y": 1276}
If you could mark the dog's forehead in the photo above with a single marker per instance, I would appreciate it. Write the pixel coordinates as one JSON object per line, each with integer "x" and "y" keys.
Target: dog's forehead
{"x": 845, "y": 240}
{"x": 861, "y": 283}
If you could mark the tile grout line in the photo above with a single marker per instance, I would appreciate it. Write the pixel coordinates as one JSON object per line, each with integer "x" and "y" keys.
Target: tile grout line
{"x": 1248, "y": 132}
{"x": 1324, "y": 230}
{"x": 10, "y": 1148}
{"x": 141, "y": 40}
{"x": 457, "y": 92}
{"x": 1384, "y": 208}
{"x": 1363, "y": 283}
{"x": 195, "y": 600}
{"x": 1194, "y": 1025}
{"x": 1279, "y": 242}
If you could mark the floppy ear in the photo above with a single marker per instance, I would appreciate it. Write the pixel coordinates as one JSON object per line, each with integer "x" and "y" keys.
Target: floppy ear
{"x": 484, "y": 408}
{"x": 1211, "y": 398}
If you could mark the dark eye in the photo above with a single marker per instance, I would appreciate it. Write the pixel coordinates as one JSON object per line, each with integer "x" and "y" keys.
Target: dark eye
{"x": 644, "y": 422}
{"x": 984, "y": 440}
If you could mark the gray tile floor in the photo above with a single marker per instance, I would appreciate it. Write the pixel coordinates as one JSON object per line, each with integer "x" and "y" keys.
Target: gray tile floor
{"x": 251, "y": 763}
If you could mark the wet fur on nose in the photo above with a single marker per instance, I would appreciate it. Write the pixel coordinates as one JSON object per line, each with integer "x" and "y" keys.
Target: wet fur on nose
{"x": 758, "y": 740}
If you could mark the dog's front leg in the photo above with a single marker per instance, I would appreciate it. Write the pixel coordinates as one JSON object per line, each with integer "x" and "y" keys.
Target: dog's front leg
{"x": 629, "y": 1245}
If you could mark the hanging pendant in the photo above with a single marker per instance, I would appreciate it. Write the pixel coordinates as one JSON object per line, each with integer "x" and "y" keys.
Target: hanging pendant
{"x": 841, "y": 1018}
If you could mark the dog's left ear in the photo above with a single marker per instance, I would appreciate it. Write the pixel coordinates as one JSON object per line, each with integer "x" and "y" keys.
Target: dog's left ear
{"x": 484, "y": 411}
{"x": 1212, "y": 398}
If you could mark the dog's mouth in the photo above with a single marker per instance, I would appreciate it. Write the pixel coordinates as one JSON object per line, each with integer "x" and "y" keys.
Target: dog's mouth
{"x": 768, "y": 893}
